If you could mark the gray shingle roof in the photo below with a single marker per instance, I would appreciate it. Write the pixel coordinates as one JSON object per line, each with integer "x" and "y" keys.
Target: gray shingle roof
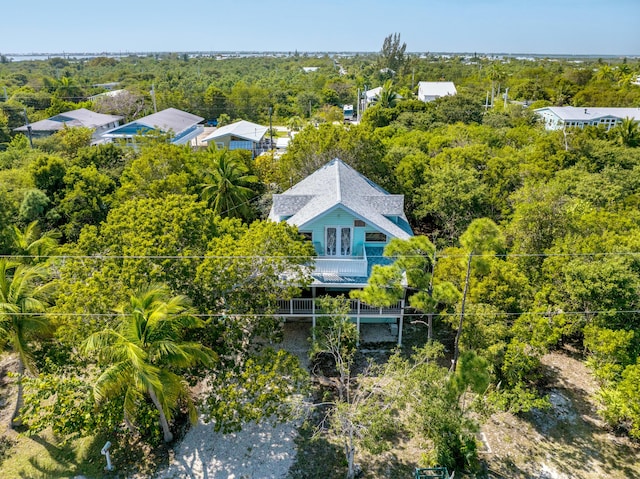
{"x": 242, "y": 129}
{"x": 337, "y": 185}
{"x": 170, "y": 119}
{"x": 167, "y": 120}
{"x": 81, "y": 117}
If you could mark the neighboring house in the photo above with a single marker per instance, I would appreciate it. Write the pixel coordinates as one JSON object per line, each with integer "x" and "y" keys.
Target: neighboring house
{"x": 371, "y": 96}
{"x": 182, "y": 127}
{"x": 432, "y": 90}
{"x": 107, "y": 86}
{"x": 561, "y": 117}
{"x": 310, "y": 69}
{"x": 241, "y": 135}
{"x": 109, "y": 94}
{"x": 98, "y": 122}
{"x": 349, "y": 219}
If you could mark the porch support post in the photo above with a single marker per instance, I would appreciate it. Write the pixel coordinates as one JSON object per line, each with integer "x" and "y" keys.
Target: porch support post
{"x": 358, "y": 321}
{"x": 313, "y": 319}
{"x": 401, "y": 322}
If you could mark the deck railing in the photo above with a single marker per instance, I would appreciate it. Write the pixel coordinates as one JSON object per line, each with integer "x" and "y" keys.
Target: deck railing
{"x": 307, "y": 307}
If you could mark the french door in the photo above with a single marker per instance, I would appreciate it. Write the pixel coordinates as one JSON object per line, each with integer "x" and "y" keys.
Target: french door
{"x": 338, "y": 241}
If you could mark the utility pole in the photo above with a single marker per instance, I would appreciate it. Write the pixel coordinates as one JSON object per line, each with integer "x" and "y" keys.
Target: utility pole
{"x": 6, "y": 98}
{"x": 270, "y": 129}
{"x": 26, "y": 121}
{"x": 153, "y": 97}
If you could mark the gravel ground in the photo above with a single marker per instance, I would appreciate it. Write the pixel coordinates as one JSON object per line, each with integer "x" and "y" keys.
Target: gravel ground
{"x": 259, "y": 451}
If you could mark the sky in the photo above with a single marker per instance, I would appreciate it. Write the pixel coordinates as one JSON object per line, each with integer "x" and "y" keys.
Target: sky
{"x": 576, "y": 27}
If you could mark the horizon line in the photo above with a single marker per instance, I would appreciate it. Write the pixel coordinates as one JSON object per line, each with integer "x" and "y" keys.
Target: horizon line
{"x": 289, "y": 52}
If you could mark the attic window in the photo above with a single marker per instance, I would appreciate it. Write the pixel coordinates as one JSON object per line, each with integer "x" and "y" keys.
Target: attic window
{"x": 358, "y": 223}
{"x": 375, "y": 237}
{"x": 308, "y": 235}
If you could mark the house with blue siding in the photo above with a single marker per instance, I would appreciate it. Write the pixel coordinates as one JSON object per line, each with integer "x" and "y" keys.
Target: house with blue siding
{"x": 241, "y": 135}
{"x": 349, "y": 219}
{"x": 563, "y": 117}
{"x": 181, "y": 126}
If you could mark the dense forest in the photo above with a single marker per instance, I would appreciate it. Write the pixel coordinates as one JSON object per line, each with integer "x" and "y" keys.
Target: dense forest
{"x": 129, "y": 275}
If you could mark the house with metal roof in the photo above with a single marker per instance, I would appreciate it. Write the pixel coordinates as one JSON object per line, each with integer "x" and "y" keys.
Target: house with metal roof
{"x": 349, "y": 219}
{"x": 432, "y": 90}
{"x": 371, "y": 96}
{"x": 179, "y": 125}
{"x": 241, "y": 135}
{"x": 98, "y": 122}
{"x": 561, "y": 117}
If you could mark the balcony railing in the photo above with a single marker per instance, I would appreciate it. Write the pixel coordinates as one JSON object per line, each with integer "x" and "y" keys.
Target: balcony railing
{"x": 342, "y": 265}
{"x": 307, "y": 307}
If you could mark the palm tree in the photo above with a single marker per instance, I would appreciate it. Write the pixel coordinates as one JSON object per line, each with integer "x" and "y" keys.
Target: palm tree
{"x": 228, "y": 190}
{"x": 23, "y": 297}
{"x": 388, "y": 97}
{"x": 628, "y": 132}
{"x": 295, "y": 123}
{"x": 143, "y": 352}
{"x": 605, "y": 73}
{"x": 68, "y": 89}
{"x": 34, "y": 245}
{"x": 497, "y": 75}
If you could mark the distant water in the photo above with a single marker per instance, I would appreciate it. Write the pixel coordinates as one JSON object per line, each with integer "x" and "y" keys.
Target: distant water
{"x": 245, "y": 54}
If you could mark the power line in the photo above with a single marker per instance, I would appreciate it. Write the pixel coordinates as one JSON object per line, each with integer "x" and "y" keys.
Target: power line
{"x": 205, "y": 256}
{"x": 284, "y": 314}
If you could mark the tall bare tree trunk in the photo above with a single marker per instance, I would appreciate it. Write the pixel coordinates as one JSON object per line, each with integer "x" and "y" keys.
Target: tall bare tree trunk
{"x": 15, "y": 421}
{"x": 456, "y": 348}
{"x": 168, "y": 436}
{"x": 350, "y": 453}
{"x": 430, "y": 291}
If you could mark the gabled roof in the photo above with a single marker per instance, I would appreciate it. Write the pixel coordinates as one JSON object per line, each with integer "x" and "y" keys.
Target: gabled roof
{"x": 436, "y": 88}
{"x": 242, "y": 129}
{"x": 167, "y": 120}
{"x": 337, "y": 185}
{"x": 373, "y": 93}
{"x": 82, "y": 117}
{"x": 573, "y": 113}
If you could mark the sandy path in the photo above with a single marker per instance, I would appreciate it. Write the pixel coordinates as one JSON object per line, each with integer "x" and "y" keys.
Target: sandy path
{"x": 259, "y": 451}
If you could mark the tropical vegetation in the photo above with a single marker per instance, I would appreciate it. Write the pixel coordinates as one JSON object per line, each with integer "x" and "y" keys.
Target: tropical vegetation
{"x": 130, "y": 275}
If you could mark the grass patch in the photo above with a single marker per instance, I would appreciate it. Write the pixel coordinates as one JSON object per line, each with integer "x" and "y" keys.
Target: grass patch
{"x": 41, "y": 457}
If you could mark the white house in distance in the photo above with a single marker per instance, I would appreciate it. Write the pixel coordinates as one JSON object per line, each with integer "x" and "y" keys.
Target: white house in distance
{"x": 371, "y": 96}
{"x": 182, "y": 127}
{"x": 241, "y": 135}
{"x": 431, "y": 90}
{"x": 349, "y": 219}
{"x": 561, "y": 117}
{"x": 98, "y": 122}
